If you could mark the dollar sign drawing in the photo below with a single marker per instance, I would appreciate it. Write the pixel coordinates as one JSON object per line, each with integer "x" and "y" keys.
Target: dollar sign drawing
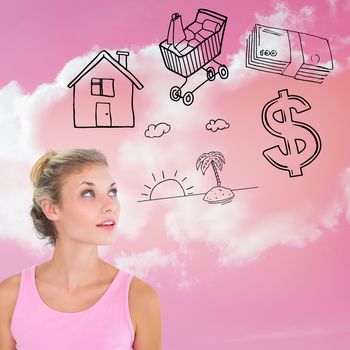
{"x": 301, "y": 142}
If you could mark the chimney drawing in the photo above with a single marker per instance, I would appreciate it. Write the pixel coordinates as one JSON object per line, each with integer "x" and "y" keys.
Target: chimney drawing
{"x": 122, "y": 57}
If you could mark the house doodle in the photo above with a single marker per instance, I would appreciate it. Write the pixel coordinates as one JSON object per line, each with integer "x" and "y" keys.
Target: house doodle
{"x": 103, "y": 93}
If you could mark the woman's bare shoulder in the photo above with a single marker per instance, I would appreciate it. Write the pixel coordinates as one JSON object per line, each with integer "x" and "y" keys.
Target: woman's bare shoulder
{"x": 9, "y": 289}
{"x": 145, "y": 307}
{"x": 141, "y": 289}
{"x": 143, "y": 298}
{"x": 10, "y": 283}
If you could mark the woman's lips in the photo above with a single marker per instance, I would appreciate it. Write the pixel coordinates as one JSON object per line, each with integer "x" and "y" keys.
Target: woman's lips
{"x": 108, "y": 228}
{"x": 107, "y": 225}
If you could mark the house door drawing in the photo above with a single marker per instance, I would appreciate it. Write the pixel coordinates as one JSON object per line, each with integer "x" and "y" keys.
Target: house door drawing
{"x": 103, "y": 114}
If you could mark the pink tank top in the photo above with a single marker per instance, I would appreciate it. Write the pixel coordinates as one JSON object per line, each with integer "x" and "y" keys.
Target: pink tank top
{"x": 106, "y": 325}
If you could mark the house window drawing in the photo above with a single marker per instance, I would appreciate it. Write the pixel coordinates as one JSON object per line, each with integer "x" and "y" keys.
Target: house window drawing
{"x": 103, "y": 93}
{"x": 102, "y": 87}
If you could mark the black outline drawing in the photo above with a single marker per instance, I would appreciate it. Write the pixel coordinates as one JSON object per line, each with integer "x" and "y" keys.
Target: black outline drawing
{"x": 286, "y": 52}
{"x": 294, "y": 146}
{"x": 105, "y": 98}
{"x": 217, "y": 124}
{"x": 216, "y": 195}
{"x": 157, "y": 130}
{"x": 100, "y": 84}
{"x": 164, "y": 180}
{"x": 187, "y": 50}
{"x": 108, "y": 114}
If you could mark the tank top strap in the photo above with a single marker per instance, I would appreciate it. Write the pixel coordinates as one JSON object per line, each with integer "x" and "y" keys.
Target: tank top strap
{"x": 118, "y": 289}
{"x": 25, "y": 296}
{"x": 119, "y": 293}
{"x": 26, "y": 290}
{"x": 126, "y": 281}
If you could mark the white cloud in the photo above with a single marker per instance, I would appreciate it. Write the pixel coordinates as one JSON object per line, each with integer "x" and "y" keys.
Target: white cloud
{"x": 143, "y": 263}
{"x": 331, "y": 217}
{"x": 283, "y": 17}
{"x": 241, "y": 238}
{"x": 129, "y": 226}
{"x": 340, "y": 46}
{"x": 332, "y": 6}
{"x": 18, "y": 113}
{"x": 344, "y": 41}
{"x": 15, "y": 124}
{"x": 204, "y": 222}
{"x": 18, "y": 118}
{"x": 289, "y": 228}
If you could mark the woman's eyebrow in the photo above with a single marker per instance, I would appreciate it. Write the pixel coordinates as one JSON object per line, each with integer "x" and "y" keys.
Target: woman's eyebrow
{"x": 87, "y": 183}
{"x": 92, "y": 184}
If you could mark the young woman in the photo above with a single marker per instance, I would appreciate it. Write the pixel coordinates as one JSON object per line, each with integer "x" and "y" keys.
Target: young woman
{"x": 77, "y": 301}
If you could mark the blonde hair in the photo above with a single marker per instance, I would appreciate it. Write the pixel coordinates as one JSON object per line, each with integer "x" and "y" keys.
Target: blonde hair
{"x": 47, "y": 176}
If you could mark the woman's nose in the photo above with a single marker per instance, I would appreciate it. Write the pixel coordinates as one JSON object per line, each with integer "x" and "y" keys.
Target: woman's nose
{"x": 110, "y": 205}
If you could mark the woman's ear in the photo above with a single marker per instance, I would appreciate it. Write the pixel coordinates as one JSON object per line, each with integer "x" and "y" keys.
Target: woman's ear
{"x": 50, "y": 209}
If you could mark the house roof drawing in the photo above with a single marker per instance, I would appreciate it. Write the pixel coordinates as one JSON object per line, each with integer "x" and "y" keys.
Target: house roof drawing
{"x": 105, "y": 55}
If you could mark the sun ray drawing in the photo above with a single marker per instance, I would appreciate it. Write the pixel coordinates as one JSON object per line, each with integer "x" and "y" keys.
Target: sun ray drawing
{"x": 166, "y": 187}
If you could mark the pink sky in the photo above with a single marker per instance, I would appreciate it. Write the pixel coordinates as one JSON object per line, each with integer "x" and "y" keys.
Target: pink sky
{"x": 267, "y": 271}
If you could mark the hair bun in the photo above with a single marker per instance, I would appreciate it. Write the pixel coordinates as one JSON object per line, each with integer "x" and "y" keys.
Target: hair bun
{"x": 39, "y": 166}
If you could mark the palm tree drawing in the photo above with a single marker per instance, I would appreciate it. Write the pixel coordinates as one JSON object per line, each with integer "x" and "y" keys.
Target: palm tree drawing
{"x": 215, "y": 159}
{"x": 217, "y": 194}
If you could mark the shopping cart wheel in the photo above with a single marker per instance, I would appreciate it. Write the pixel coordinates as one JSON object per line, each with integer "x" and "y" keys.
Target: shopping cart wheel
{"x": 223, "y": 72}
{"x": 175, "y": 93}
{"x": 210, "y": 73}
{"x": 188, "y": 98}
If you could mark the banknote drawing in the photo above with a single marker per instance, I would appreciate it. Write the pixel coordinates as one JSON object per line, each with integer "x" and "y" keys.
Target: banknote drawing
{"x": 103, "y": 93}
{"x": 290, "y": 53}
{"x": 195, "y": 47}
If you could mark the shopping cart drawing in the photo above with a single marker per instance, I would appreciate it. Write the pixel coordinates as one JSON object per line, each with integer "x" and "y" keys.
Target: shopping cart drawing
{"x": 187, "y": 50}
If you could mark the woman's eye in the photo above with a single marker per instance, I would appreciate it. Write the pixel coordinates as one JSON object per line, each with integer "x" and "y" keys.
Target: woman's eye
{"x": 113, "y": 192}
{"x": 88, "y": 193}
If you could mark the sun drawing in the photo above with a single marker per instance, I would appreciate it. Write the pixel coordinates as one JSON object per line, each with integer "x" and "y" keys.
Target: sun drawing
{"x": 166, "y": 188}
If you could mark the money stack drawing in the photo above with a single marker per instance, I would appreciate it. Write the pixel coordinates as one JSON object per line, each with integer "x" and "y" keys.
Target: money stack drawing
{"x": 299, "y": 55}
{"x": 187, "y": 50}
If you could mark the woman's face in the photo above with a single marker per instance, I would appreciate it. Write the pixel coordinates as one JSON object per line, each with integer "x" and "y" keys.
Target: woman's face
{"x": 89, "y": 208}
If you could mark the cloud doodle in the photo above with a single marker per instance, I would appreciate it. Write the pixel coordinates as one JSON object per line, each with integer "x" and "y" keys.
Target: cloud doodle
{"x": 157, "y": 130}
{"x": 217, "y": 124}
